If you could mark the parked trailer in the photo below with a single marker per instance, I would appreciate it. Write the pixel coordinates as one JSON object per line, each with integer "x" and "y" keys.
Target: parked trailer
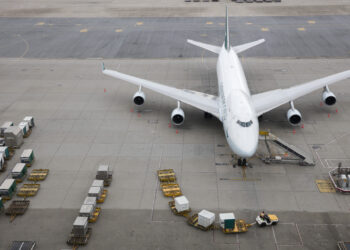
{"x": 38, "y": 174}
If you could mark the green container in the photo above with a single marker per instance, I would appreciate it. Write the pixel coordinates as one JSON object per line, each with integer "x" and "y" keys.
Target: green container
{"x": 230, "y": 224}
{"x": 5, "y": 151}
{"x": 1, "y": 204}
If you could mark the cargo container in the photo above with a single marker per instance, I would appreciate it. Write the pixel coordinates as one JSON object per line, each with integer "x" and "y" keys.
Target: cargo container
{"x": 1, "y": 205}
{"x": 27, "y": 156}
{"x": 80, "y": 226}
{"x": 4, "y": 126}
{"x": 86, "y": 211}
{"x": 227, "y": 220}
{"x": 19, "y": 171}
{"x": 181, "y": 204}
{"x": 97, "y": 183}
{"x": 103, "y": 170}
{"x": 95, "y": 192}
{"x": 30, "y": 121}
{"x": 7, "y": 188}
{"x": 205, "y": 218}
{"x": 2, "y": 162}
{"x": 13, "y": 137}
{"x": 25, "y": 127}
{"x": 5, "y": 151}
{"x": 90, "y": 201}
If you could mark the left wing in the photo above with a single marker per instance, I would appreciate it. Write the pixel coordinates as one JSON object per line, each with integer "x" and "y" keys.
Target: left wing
{"x": 269, "y": 100}
{"x": 202, "y": 101}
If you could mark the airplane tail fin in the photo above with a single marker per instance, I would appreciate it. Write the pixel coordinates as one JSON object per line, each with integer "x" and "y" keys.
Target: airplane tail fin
{"x": 212, "y": 48}
{"x": 227, "y": 32}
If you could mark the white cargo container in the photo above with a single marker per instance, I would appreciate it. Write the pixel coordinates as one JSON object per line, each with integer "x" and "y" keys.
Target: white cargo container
{"x": 181, "y": 204}
{"x": 90, "y": 201}
{"x": 205, "y": 218}
{"x": 343, "y": 181}
{"x": 13, "y": 137}
{"x": 227, "y": 220}
{"x": 19, "y": 171}
{"x": 97, "y": 183}
{"x": 30, "y": 121}
{"x": 103, "y": 170}
{"x": 24, "y": 126}
{"x": 95, "y": 192}
{"x": 5, "y": 126}
{"x": 86, "y": 210}
{"x": 2, "y": 161}
{"x": 80, "y": 225}
{"x": 27, "y": 156}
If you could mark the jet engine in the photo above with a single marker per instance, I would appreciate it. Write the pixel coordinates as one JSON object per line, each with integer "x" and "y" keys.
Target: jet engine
{"x": 139, "y": 97}
{"x": 294, "y": 116}
{"x": 177, "y": 116}
{"x": 328, "y": 97}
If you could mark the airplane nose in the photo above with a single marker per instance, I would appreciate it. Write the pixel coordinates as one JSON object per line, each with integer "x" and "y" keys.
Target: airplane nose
{"x": 245, "y": 147}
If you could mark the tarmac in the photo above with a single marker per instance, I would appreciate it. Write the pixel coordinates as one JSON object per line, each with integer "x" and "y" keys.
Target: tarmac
{"x": 50, "y": 68}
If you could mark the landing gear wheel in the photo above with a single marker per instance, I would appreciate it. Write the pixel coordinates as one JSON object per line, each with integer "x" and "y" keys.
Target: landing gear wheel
{"x": 239, "y": 162}
{"x": 244, "y": 163}
{"x": 207, "y": 115}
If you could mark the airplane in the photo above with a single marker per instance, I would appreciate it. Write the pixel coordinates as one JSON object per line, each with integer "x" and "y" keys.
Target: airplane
{"x": 235, "y": 106}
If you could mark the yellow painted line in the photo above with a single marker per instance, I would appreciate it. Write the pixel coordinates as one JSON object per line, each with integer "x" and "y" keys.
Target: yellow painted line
{"x": 325, "y": 186}
{"x": 209, "y": 22}
{"x": 83, "y": 30}
{"x": 311, "y": 22}
{"x": 264, "y": 29}
{"x": 222, "y": 24}
{"x": 248, "y": 23}
{"x": 139, "y": 23}
{"x": 301, "y": 29}
{"x": 203, "y": 35}
{"x": 40, "y": 24}
{"x": 118, "y": 30}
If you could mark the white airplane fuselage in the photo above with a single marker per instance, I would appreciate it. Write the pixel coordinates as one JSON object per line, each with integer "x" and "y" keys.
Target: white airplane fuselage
{"x": 238, "y": 116}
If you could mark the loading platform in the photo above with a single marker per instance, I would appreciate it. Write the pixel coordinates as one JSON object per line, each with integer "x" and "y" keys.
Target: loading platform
{"x": 279, "y": 151}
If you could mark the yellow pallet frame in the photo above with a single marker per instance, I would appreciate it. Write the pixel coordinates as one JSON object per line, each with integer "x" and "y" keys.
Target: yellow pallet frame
{"x": 103, "y": 196}
{"x": 38, "y": 174}
{"x": 95, "y": 215}
{"x": 171, "y": 190}
{"x": 28, "y": 190}
{"x": 166, "y": 175}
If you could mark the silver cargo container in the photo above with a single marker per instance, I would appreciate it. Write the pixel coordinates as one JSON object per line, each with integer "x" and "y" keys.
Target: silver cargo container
{"x": 86, "y": 211}
{"x": 13, "y": 137}
{"x": 4, "y": 127}
{"x": 80, "y": 225}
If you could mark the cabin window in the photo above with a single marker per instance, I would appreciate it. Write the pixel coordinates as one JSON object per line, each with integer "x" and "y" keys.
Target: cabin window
{"x": 245, "y": 124}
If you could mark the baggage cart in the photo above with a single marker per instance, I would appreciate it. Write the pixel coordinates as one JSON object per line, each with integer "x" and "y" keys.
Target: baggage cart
{"x": 193, "y": 221}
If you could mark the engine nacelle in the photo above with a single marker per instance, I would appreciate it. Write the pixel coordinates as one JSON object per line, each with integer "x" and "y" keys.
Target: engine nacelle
{"x": 177, "y": 116}
{"x": 139, "y": 98}
{"x": 294, "y": 117}
{"x": 328, "y": 98}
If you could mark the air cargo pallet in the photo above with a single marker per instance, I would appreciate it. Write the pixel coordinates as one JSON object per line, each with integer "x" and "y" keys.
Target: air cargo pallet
{"x": 28, "y": 190}
{"x": 240, "y": 227}
{"x": 17, "y": 207}
{"x": 95, "y": 215}
{"x": 103, "y": 196}
{"x": 166, "y": 175}
{"x": 193, "y": 221}
{"x": 38, "y": 174}
{"x": 174, "y": 210}
{"x": 171, "y": 189}
{"x": 79, "y": 240}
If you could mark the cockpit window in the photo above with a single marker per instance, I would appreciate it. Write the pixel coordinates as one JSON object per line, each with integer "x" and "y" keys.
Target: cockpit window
{"x": 245, "y": 124}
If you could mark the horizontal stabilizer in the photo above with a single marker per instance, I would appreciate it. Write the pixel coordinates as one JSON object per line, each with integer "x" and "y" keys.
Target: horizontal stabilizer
{"x": 212, "y": 48}
{"x": 246, "y": 46}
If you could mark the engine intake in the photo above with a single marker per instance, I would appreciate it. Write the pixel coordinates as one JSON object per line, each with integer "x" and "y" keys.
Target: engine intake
{"x": 329, "y": 98}
{"x": 177, "y": 116}
{"x": 139, "y": 98}
{"x": 294, "y": 117}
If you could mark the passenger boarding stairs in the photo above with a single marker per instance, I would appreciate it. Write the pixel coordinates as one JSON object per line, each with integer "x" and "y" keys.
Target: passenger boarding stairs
{"x": 273, "y": 149}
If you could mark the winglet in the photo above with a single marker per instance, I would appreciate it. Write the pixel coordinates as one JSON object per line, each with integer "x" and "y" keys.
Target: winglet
{"x": 103, "y": 67}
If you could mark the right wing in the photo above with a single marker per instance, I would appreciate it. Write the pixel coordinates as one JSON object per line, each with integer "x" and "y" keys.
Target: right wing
{"x": 202, "y": 101}
{"x": 266, "y": 101}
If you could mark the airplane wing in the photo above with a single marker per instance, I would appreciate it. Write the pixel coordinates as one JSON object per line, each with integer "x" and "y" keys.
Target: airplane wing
{"x": 202, "y": 101}
{"x": 266, "y": 101}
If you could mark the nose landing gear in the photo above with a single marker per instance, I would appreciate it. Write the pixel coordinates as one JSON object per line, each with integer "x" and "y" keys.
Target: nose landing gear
{"x": 242, "y": 162}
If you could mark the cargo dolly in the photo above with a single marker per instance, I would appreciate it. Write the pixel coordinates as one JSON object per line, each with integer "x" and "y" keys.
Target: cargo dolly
{"x": 38, "y": 174}
{"x": 184, "y": 213}
{"x": 103, "y": 196}
{"x": 240, "y": 227}
{"x": 193, "y": 221}
{"x": 95, "y": 215}
{"x": 17, "y": 207}
{"x": 166, "y": 175}
{"x": 79, "y": 240}
{"x": 171, "y": 189}
{"x": 28, "y": 190}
